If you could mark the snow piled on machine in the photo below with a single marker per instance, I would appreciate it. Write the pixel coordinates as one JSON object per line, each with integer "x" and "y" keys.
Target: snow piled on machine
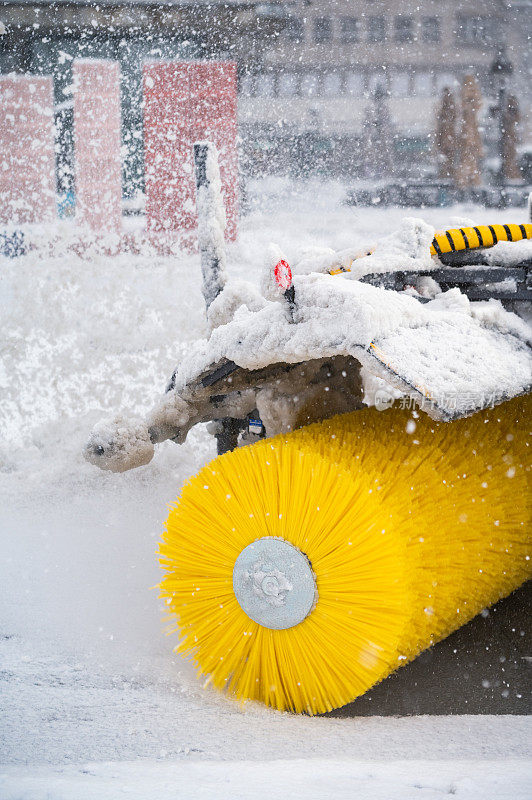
{"x": 450, "y": 355}
{"x": 407, "y": 248}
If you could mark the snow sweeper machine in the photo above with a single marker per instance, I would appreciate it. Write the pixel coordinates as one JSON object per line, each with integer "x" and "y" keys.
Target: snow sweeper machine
{"x": 371, "y": 493}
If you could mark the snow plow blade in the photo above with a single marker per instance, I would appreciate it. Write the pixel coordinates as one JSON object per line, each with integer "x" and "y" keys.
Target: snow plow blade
{"x": 444, "y": 381}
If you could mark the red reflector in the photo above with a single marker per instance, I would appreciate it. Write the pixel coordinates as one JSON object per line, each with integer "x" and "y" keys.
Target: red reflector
{"x": 283, "y": 274}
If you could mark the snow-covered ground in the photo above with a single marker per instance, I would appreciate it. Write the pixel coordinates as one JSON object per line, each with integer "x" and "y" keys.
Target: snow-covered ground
{"x": 94, "y": 703}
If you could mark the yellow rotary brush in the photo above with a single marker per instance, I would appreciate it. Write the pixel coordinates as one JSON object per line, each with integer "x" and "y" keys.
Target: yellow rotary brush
{"x": 306, "y": 568}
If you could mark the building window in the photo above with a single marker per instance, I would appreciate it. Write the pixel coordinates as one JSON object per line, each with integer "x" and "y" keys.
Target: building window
{"x": 322, "y": 29}
{"x": 246, "y": 85}
{"x": 400, "y": 84}
{"x": 355, "y": 83}
{"x": 309, "y": 84}
{"x": 423, "y": 84}
{"x": 349, "y": 29}
{"x": 404, "y": 28}
{"x": 287, "y": 84}
{"x": 265, "y": 85}
{"x": 477, "y": 31}
{"x": 376, "y": 29}
{"x": 445, "y": 80}
{"x": 295, "y": 30}
{"x": 430, "y": 29}
{"x": 377, "y": 80}
{"x": 332, "y": 84}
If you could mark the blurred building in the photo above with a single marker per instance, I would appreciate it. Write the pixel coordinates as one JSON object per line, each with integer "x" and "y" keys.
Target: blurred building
{"x": 312, "y": 89}
{"x": 308, "y": 69}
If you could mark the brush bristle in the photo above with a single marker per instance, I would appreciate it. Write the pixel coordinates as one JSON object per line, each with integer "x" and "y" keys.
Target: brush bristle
{"x": 410, "y": 534}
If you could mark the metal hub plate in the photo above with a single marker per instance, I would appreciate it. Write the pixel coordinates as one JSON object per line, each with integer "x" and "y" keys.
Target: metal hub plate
{"x": 274, "y": 583}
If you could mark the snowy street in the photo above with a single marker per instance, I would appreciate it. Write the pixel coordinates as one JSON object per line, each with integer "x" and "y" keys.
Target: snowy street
{"x": 94, "y": 702}
{"x": 315, "y": 778}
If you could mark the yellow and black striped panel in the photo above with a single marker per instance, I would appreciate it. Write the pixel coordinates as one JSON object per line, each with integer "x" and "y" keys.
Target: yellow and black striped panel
{"x": 479, "y": 236}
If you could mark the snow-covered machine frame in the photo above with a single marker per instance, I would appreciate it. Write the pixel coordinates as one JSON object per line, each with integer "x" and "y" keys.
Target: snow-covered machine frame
{"x": 403, "y": 315}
